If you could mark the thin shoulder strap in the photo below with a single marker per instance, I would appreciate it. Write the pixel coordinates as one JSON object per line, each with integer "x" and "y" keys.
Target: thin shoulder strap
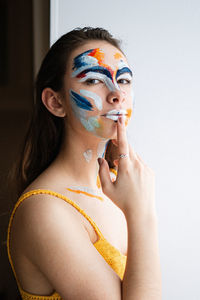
{"x": 40, "y": 191}
{"x": 52, "y": 193}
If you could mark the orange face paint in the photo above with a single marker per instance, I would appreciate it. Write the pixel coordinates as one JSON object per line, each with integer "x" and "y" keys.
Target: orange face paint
{"x": 129, "y": 113}
{"x": 117, "y": 55}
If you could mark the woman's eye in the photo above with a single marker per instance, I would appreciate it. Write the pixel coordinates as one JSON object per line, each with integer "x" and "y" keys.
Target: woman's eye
{"x": 92, "y": 81}
{"x": 124, "y": 81}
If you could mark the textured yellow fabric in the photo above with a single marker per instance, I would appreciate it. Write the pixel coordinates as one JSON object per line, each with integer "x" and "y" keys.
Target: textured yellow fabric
{"x": 111, "y": 255}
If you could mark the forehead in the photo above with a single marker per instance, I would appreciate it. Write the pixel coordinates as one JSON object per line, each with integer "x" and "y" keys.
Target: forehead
{"x": 96, "y": 51}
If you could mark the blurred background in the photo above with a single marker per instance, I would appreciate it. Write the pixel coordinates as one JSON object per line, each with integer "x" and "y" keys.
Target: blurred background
{"x": 24, "y": 39}
{"x": 162, "y": 43}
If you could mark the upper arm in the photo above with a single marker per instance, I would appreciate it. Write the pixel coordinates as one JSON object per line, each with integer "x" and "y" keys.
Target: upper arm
{"x": 61, "y": 248}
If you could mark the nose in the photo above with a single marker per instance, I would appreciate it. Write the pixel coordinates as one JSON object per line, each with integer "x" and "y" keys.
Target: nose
{"x": 116, "y": 96}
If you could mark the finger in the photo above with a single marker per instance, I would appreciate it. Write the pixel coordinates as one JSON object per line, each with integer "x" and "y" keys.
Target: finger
{"x": 116, "y": 162}
{"x": 123, "y": 147}
{"x": 104, "y": 175}
{"x": 132, "y": 153}
{"x": 139, "y": 157}
{"x": 141, "y": 160}
{"x": 115, "y": 143}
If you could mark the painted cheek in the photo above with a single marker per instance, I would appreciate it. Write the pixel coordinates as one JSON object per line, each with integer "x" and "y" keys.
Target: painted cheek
{"x": 101, "y": 127}
{"x": 90, "y": 124}
{"x": 80, "y": 101}
{"x": 97, "y": 99}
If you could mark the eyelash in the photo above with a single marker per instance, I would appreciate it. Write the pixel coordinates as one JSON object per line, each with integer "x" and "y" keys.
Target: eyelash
{"x": 91, "y": 81}
{"x": 127, "y": 81}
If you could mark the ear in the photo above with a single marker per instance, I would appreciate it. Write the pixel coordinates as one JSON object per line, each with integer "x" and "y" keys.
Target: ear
{"x": 53, "y": 102}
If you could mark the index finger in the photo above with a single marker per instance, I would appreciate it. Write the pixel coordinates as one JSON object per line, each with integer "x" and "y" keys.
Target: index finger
{"x": 123, "y": 147}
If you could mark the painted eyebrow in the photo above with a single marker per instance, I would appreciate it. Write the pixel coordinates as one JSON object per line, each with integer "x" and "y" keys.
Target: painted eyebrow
{"x": 97, "y": 69}
{"x": 124, "y": 70}
{"x": 78, "y": 59}
{"x": 102, "y": 70}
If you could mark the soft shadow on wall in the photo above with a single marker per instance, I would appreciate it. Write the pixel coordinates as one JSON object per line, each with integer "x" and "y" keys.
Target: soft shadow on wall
{"x": 21, "y": 25}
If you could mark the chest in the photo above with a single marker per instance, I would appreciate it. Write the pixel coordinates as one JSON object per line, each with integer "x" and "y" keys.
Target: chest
{"x": 109, "y": 219}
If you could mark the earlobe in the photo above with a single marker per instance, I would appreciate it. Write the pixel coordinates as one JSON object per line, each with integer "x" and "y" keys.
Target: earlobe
{"x": 53, "y": 102}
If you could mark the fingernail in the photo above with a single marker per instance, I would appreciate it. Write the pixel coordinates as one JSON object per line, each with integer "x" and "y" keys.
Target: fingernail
{"x": 100, "y": 161}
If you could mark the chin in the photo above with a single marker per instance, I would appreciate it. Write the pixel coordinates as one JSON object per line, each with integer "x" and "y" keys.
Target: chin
{"x": 109, "y": 132}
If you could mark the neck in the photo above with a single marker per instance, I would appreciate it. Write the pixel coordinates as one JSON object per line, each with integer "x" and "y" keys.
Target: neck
{"x": 78, "y": 158}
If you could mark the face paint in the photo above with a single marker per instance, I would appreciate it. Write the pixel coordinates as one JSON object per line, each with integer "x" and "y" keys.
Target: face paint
{"x": 117, "y": 55}
{"x": 115, "y": 114}
{"x": 101, "y": 77}
{"x": 90, "y": 124}
{"x": 80, "y": 101}
{"x": 88, "y": 155}
{"x": 80, "y": 106}
{"x": 95, "y": 97}
{"x": 90, "y": 65}
{"x": 91, "y": 62}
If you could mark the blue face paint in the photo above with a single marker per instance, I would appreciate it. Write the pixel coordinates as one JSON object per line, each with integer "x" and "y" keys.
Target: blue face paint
{"x": 122, "y": 71}
{"x": 81, "y": 101}
{"x": 80, "y": 107}
{"x": 96, "y": 69}
{"x": 87, "y": 66}
{"x": 81, "y": 60}
{"x": 97, "y": 100}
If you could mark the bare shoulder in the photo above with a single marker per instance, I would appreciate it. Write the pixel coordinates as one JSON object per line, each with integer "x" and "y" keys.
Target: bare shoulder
{"x": 57, "y": 243}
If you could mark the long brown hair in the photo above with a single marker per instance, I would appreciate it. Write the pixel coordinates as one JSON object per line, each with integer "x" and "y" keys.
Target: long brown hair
{"x": 44, "y": 135}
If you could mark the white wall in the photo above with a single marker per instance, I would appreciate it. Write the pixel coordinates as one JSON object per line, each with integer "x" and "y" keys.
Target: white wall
{"x": 162, "y": 42}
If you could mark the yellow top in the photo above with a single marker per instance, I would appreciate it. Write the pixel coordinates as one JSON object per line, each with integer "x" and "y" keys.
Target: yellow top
{"x": 112, "y": 256}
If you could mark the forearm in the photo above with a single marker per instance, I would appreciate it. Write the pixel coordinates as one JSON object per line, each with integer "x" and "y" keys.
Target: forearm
{"x": 142, "y": 278}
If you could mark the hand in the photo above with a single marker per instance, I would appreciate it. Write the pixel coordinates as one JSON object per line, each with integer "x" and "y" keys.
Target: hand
{"x": 134, "y": 189}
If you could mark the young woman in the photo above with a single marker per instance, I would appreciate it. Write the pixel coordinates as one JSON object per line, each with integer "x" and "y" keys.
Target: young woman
{"x": 81, "y": 230}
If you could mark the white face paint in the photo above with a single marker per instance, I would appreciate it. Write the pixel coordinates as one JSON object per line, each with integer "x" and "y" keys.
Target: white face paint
{"x": 86, "y": 62}
{"x": 88, "y": 155}
{"x": 80, "y": 110}
{"x": 101, "y": 77}
{"x": 97, "y": 100}
{"x": 96, "y": 68}
{"x": 114, "y": 114}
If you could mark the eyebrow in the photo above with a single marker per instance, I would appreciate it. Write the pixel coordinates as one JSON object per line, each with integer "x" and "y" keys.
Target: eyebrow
{"x": 96, "y": 69}
{"x": 124, "y": 70}
{"x": 105, "y": 71}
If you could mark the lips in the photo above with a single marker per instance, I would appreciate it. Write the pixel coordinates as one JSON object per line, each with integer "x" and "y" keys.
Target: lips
{"x": 115, "y": 114}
